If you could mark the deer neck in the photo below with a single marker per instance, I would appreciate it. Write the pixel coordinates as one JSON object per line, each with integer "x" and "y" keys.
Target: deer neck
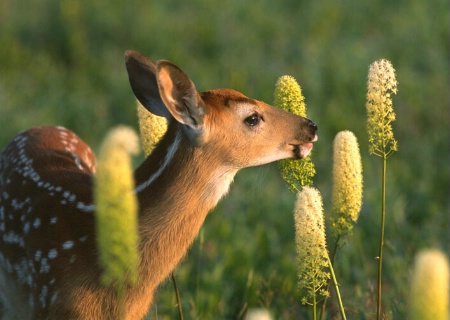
{"x": 177, "y": 185}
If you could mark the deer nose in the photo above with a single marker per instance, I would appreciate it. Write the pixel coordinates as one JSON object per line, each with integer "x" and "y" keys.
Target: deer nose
{"x": 313, "y": 125}
{"x": 313, "y": 130}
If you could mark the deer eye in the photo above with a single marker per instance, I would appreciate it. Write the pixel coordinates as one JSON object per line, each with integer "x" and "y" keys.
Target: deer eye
{"x": 253, "y": 120}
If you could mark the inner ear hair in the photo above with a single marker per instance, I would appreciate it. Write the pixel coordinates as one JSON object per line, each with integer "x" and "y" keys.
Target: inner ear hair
{"x": 179, "y": 94}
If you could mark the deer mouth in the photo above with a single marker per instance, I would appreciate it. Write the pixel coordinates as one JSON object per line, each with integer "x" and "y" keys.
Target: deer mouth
{"x": 302, "y": 150}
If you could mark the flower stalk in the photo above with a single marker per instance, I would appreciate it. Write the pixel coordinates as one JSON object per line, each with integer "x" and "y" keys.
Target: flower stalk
{"x": 336, "y": 287}
{"x": 312, "y": 255}
{"x": 117, "y": 210}
{"x": 429, "y": 295}
{"x": 347, "y": 183}
{"x": 288, "y": 96}
{"x": 346, "y": 191}
{"x": 381, "y": 85}
{"x": 151, "y": 128}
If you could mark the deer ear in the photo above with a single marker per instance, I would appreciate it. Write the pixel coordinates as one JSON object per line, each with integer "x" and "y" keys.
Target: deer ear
{"x": 179, "y": 95}
{"x": 142, "y": 75}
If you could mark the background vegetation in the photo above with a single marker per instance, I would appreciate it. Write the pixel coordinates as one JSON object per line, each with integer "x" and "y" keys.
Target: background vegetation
{"x": 61, "y": 62}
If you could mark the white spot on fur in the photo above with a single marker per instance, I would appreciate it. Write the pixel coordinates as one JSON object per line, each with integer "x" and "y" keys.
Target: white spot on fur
{"x": 43, "y": 296}
{"x": 68, "y": 245}
{"x": 37, "y": 223}
{"x": 29, "y": 280}
{"x": 37, "y": 255}
{"x": 52, "y": 254}
{"x": 54, "y": 298}
{"x": 45, "y": 267}
{"x": 85, "y": 207}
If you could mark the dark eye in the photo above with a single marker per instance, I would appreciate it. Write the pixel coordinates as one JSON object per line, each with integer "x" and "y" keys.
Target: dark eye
{"x": 253, "y": 120}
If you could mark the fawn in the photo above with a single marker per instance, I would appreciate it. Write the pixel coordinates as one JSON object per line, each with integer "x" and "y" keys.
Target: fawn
{"x": 48, "y": 252}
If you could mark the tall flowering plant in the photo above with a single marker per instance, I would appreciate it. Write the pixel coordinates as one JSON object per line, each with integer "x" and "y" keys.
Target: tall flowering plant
{"x": 314, "y": 265}
{"x": 116, "y": 204}
{"x": 313, "y": 261}
{"x": 346, "y": 191}
{"x": 381, "y": 85}
{"x": 347, "y": 183}
{"x": 151, "y": 128}
{"x": 288, "y": 96}
{"x": 429, "y": 295}
{"x": 312, "y": 254}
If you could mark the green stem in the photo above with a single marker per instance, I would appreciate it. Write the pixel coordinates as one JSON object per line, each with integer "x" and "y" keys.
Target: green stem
{"x": 380, "y": 254}
{"x": 336, "y": 246}
{"x": 333, "y": 256}
{"x": 177, "y": 294}
{"x": 314, "y": 305}
{"x": 338, "y": 294}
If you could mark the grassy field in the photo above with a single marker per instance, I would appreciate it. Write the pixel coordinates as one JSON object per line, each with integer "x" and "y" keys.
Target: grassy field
{"x": 61, "y": 62}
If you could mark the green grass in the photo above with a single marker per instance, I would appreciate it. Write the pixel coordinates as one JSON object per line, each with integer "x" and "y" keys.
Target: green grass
{"x": 61, "y": 62}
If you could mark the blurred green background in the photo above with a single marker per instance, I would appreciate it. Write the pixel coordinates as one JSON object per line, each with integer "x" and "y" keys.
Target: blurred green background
{"x": 61, "y": 62}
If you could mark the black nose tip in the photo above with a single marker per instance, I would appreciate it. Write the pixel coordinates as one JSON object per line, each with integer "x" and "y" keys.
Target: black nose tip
{"x": 313, "y": 125}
